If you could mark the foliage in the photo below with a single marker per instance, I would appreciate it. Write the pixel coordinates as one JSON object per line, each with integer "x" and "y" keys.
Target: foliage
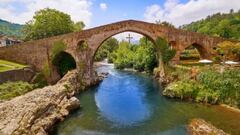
{"x": 220, "y": 25}
{"x": 227, "y": 83}
{"x": 229, "y": 50}
{"x": 191, "y": 90}
{"x": 190, "y": 54}
{"x": 13, "y": 89}
{"x": 164, "y": 51}
{"x": 210, "y": 86}
{"x": 141, "y": 57}
{"x": 10, "y": 29}
{"x": 165, "y": 54}
{"x": 106, "y": 49}
{"x": 58, "y": 47}
{"x": 46, "y": 23}
{"x": 164, "y": 23}
{"x": 124, "y": 56}
{"x": 40, "y": 80}
{"x": 46, "y": 70}
{"x": 145, "y": 58}
{"x": 78, "y": 26}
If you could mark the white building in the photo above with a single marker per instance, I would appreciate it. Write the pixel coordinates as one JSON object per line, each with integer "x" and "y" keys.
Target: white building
{"x": 8, "y": 41}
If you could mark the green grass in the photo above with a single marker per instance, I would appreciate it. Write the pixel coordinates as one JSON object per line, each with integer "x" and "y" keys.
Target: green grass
{"x": 7, "y": 65}
{"x": 10, "y": 90}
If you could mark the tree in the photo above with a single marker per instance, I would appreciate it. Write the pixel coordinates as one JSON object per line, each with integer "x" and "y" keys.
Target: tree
{"x": 79, "y": 26}
{"x": 145, "y": 56}
{"x": 165, "y": 23}
{"x": 46, "y": 23}
{"x": 165, "y": 54}
{"x": 224, "y": 25}
{"x": 124, "y": 56}
{"x": 228, "y": 50}
{"x": 106, "y": 49}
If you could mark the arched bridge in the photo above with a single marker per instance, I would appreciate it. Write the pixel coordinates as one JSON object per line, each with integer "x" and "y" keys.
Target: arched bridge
{"x": 83, "y": 45}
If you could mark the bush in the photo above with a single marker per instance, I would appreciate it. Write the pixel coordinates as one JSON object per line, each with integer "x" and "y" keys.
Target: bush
{"x": 10, "y": 90}
{"x": 227, "y": 84}
{"x": 191, "y": 90}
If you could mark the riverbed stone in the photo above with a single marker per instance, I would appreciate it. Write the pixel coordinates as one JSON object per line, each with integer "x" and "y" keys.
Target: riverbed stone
{"x": 37, "y": 111}
{"x": 201, "y": 127}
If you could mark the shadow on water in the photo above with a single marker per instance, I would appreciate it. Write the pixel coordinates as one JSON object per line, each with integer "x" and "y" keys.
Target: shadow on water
{"x": 128, "y": 103}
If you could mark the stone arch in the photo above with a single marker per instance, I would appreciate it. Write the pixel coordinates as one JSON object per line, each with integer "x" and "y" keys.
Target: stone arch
{"x": 106, "y": 37}
{"x": 64, "y": 62}
{"x": 203, "y": 52}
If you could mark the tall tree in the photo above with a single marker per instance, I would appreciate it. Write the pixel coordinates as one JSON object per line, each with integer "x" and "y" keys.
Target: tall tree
{"x": 165, "y": 54}
{"x": 46, "y": 23}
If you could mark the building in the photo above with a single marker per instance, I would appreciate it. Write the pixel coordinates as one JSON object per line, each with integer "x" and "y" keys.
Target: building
{"x": 8, "y": 41}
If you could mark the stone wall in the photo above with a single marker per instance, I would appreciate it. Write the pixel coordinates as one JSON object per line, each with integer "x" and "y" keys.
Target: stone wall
{"x": 36, "y": 112}
{"x": 25, "y": 75}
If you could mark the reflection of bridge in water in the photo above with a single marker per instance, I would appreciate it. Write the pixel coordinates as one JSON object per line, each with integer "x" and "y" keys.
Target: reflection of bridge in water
{"x": 83, "y": 45}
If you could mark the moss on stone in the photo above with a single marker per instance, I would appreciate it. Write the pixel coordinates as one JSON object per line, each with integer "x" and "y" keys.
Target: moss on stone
{"x": 58, "y": 46}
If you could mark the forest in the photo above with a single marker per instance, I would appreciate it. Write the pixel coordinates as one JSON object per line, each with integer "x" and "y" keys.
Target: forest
{"x": 225, "y": 25}
{"x": 10, "y": 29}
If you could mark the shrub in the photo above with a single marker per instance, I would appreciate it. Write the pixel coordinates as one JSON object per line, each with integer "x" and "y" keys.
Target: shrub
{"x": 227, "y": 84}
{"x": 10, "y": 90}
{"x": 191, "y": 90}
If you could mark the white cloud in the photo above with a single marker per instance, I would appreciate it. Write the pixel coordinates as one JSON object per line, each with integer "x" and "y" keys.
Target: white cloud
{"x": 178, "y": 13}
{"x": 103, "y": 6}
{"x": 78, "y": 9}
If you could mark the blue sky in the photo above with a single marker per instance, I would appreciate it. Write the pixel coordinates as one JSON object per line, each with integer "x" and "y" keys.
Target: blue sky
{"x": 100, "y": 12}
{"x": 122, "y": 10}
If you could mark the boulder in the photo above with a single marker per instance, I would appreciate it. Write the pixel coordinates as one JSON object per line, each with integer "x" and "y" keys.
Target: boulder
{"x": 36, "y": 112}
{"x": 201, "y": 127}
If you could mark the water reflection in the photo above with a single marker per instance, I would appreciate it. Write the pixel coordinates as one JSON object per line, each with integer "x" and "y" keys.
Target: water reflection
{"x": 125, "y": 104}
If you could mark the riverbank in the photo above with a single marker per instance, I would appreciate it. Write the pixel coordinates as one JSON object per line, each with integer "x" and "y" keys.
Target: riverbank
{"x": 205, "y": 84}
{"x": 36, "y": 112}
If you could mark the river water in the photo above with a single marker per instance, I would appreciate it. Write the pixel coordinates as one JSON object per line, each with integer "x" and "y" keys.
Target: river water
{"x": 128, "y": 103}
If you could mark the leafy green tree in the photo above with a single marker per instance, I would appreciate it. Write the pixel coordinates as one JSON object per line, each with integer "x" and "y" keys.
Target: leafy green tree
{"x": 79, "y": 26}
{"x": 106, "y": 50}
{"x": 165, "y": 54}
{"x": 224, "y": 25}
{"x": 124, "y": 56}
{"x": 46, "y": 23}
{"x": 145, "y": 56}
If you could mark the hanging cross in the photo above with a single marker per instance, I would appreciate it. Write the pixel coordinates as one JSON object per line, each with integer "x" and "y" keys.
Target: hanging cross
{"x": 129, "y": 38}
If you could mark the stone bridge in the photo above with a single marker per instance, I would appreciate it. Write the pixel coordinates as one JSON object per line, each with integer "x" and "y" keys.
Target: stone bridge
{"x": 83, "y": 45}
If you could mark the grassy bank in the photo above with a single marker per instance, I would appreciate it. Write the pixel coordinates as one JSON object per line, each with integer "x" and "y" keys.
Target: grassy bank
{"x": 10, "y": 90}
{"x": 7, "y": 65}
{"x": 207, "y": 85}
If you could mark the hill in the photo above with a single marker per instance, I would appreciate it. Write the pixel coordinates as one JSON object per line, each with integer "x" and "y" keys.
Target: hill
{"x": 10, "y": 29}
{"x": 225, "y": 25}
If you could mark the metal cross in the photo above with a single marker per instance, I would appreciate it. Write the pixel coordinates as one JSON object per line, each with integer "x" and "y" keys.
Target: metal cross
{"x": 129, "y": 38}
